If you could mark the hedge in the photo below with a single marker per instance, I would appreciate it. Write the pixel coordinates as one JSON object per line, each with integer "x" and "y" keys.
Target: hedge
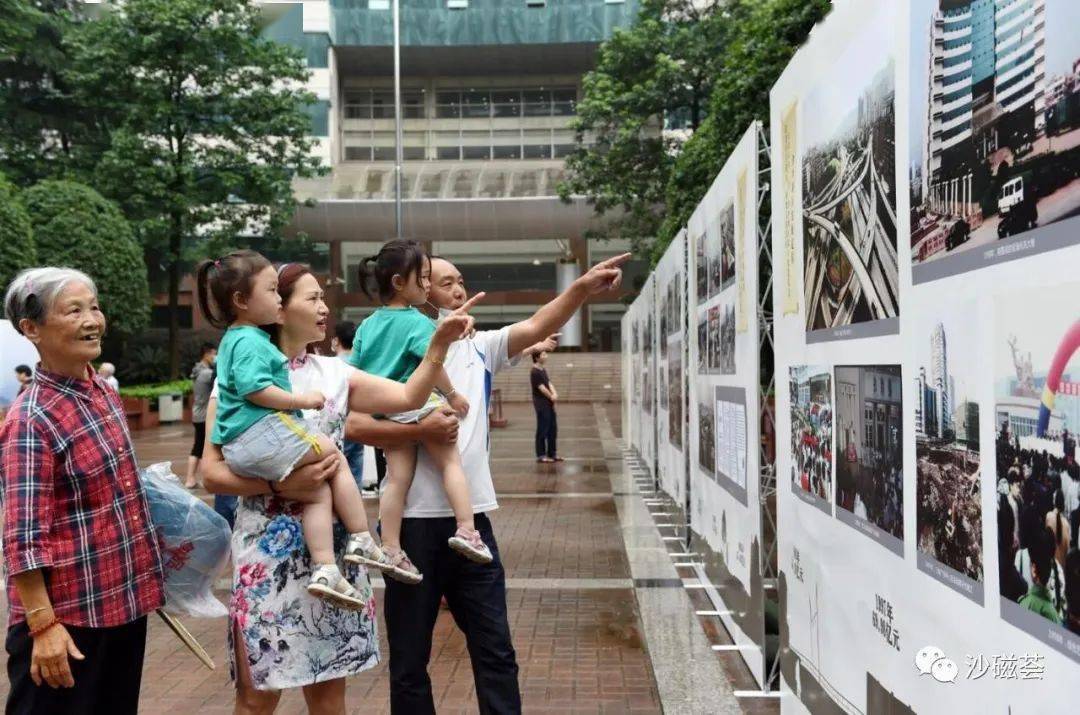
{"x": 151, "y": 392}
{"x": 77, "y": 227}
{"x": 16, "y": 239}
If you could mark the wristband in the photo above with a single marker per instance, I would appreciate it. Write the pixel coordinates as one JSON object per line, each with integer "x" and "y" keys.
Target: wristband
{"x": 32, "y": 611}
{"x": 35, "y": 632}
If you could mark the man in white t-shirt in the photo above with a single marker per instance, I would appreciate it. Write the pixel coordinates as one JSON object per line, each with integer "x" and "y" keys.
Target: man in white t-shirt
{"x": 475, "y": 593}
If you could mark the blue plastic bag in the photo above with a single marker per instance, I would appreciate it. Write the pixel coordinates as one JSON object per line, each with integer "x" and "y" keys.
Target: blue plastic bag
{"x": 194, "y": 543}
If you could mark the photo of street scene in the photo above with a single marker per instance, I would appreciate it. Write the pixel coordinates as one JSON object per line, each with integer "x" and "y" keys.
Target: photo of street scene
{"x": 703, "y": 342}
{"x": 1037, "y": 416}
{"x": 850, "y": 269}
{"x": 948, "y": 513}
{"x": 869, "y": 445}
{"x": 702, "y": 269}
{"x": 714, "y": 338}
{"x": 707, "y": 437}
{"x": 727, "y": 339}
{"x": 712, "y": 250}
{"x": 647, "y": 364}
{"x": 675, "y": 392}
{"x": 811, "y": 430}
{"x": 994, "y": 124}
{"x": 727, "y": 246}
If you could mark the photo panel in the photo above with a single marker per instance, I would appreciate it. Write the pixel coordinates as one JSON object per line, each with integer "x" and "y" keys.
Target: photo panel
{"x": 948, "y": 497}
{"x": 994, "y": 126}
{"x": 812, "y": 434}
{"x": 850, "y": 266}
{"x": 1037, "y": 415}
{"x": 675, "y": 392}
{"x": 727, "y": 336}
{"x": 870, "y": 452}
{"x": 731, "y": 440}
{"x": 707, "y": 437}
{"x": 702, "y": 263}
{"x": 726, "y": 230}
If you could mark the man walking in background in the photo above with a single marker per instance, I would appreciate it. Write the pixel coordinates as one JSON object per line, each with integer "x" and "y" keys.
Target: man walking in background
{"x": 544, "y": 397}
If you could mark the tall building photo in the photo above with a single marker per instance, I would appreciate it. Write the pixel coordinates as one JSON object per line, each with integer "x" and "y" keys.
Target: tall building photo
{"x": 987, "y": 87}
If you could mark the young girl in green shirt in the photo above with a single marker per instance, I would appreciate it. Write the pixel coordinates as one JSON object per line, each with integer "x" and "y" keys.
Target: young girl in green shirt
{"x": 259, "y": 424}
{"x": 391, "y": 343}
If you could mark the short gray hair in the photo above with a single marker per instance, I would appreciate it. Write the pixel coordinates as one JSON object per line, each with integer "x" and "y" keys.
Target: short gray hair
{"x": 33, "y": 291}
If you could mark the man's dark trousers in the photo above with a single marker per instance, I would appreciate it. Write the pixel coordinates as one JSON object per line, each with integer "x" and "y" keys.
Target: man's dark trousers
{"x": 547, "y": 429}
{"x": 476, "y": 594}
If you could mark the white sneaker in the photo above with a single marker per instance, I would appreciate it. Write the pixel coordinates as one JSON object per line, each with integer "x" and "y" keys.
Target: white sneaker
{"x": 328, "y": 584}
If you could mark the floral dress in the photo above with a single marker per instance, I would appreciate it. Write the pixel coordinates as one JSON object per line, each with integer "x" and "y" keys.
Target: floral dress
{"x": 291, "y": 638}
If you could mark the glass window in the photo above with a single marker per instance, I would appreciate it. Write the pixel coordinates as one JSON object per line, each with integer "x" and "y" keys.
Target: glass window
{"x": 357, "y": 153}
{"x": 412, "y": 104}
{"x": 378, "y": 4}
{"x": 457, "y": 4}
{"x": 564, "y": 102}
{"x": 506, "y": 104}
{"x": 383, "y": 153}
{"x": 537, "y": 102}
{"x": 476, "y": 152}
{"x": 413, "y": 153}
{"x": 537, "y": 151}
{"x": 476, "y": 103}
{"x": 448, "y": 153}
{"x": 507, "y": 152}
{"x": 382, "y": 105}
{"x": 563, "y": 150}
{"x": 448, "y": 105}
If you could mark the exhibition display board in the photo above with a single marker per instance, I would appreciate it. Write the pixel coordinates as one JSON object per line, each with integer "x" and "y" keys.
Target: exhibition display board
{"x": 725, "y": 520}
{"x": 640, "y": 390}
{"x": 925, "y": 238}
{"x": 670, "y": 312}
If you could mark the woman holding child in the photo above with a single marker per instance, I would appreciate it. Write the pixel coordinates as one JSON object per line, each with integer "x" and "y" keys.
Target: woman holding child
{"x": 282, "y": 633}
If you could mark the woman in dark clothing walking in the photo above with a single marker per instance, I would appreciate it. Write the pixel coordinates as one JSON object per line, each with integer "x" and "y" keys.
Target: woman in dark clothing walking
{"x": 544, "y": 397}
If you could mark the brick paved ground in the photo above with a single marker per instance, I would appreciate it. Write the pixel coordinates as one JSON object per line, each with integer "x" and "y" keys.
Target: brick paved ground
{"x": 579, "y": 648}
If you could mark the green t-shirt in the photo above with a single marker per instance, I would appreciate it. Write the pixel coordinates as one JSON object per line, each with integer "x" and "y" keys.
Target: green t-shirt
{"x": 391, "y": 342}
{"x": 247, "y": 362}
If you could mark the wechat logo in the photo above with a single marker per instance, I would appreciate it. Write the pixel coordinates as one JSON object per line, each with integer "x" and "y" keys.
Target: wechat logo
{"x": 931, "y": 661}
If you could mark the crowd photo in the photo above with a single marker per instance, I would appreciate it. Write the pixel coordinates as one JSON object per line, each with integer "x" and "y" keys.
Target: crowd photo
{"x": 1038, "y": 517}
{"x": 93, "y": 545}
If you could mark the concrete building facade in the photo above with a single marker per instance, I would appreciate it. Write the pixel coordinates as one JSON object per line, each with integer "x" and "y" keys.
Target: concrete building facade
{"x": 489, "y": 95}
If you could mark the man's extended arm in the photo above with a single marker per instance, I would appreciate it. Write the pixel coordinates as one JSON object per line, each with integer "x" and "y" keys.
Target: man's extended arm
{"x": 604, "y": 276}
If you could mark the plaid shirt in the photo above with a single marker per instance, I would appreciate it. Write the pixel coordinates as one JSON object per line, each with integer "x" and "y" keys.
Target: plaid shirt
{"x": 74, "y": 506}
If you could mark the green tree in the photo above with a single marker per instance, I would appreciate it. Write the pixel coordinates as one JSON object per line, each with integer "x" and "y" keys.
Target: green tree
{"x": 77, "y": 227}
{"x": 765, "y": 36}
{"x": 16, "y": 239}
{"x": 208, "y": 125}
{"x": 41, "y": 127}
{"x": 661, "y": 68}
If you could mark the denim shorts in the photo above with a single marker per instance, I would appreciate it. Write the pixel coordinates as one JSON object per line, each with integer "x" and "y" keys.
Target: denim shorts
{"x": 434, "y": 402}
{"x": 271, "y": 448}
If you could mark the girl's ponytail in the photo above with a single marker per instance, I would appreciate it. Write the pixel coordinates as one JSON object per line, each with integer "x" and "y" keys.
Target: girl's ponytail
{"x": 202, "y": 285}
{"x": 367, "y": 276}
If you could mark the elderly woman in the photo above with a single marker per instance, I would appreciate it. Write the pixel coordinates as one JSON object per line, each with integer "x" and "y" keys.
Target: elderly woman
{"x": 280, "y": 636}
{"x": 82, "y": 561}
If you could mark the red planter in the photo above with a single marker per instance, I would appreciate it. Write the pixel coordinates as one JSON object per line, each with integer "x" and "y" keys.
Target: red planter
{"x": 139, "y": 414}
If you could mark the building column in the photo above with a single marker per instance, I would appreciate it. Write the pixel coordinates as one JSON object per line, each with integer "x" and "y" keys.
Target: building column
{"x": 567, "y": 270}
{"x": 335, "y": 288}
